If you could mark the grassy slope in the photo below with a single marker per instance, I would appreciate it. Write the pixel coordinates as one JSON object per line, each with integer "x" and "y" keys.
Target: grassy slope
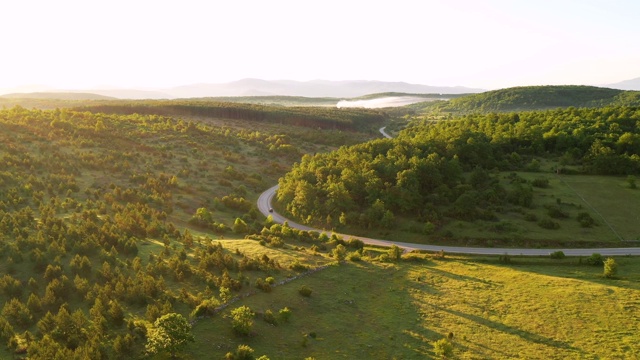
{"x": 538, "y": 309}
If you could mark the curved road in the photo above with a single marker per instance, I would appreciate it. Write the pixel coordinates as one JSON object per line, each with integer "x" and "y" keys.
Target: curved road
{"x": 264, "y": 205}
{"x": 384, "y": 133}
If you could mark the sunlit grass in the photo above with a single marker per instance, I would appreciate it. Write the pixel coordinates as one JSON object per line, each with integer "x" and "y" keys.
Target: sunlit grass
{"x": 530, "y": 309}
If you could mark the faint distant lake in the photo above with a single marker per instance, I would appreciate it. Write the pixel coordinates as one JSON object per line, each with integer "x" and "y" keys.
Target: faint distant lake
{"x": 391, "y": 101}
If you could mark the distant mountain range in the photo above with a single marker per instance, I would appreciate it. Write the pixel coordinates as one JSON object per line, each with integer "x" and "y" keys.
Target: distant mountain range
{"x": 257, "y": 87}
{"x": 633, "y": 84}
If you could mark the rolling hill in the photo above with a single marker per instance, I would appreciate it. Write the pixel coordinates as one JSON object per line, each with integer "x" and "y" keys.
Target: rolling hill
{"x": 534, "y": 98}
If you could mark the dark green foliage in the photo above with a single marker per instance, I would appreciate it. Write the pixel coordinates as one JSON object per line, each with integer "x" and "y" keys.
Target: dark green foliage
{"x": 305, "y": 291}
{"x": 540, "y": 182}
{"x": 557, "y": 255}
{"x": 440, "y": 171}
{"x": 541, "y": 97}
{"x": 269, "y": 317}
{"x": 556, "y": 211}
{"x": 585, "y": 219}
{"x": 548, "y": 224}
{"x": 595, "y": 259}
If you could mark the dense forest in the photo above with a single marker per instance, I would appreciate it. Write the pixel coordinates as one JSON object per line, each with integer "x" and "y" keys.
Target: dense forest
{"x": 529, "y": 98}
{"x": 107, "y": 225}
{"x": 436, "y": 171}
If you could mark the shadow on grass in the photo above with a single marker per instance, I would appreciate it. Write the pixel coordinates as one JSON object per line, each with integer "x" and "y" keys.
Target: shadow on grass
{"x": 525, "y": 335}
{"x": 628, "y": 271}
{"x": 458, "y": 277}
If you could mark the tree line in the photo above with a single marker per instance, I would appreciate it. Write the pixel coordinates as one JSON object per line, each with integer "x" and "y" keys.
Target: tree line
{"x": 438, "y": 170}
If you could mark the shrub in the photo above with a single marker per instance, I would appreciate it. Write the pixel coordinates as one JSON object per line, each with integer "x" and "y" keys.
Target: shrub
{"x": 595, "y": 259}
{"x": 355, "y": 243}
{"x": 298, "y": 266}
{"x": 263, "y": 285}
{"x": 243, "y": 352}
{"x": 548, "y": 224}
{"x": 305, "y": 291}
{"x": 556, "y": 212}
{"x": 354, "y": 256}
{"x": 269, "y": 317}
{"x": 206, "y": 307}
{"x": 585, "y": 219}
{"x": 242, "y": 320}
{"x": 284, "y": 314}
{"x": 395, "y": 253}
{"x": 557, "y": 255}
{"x": 610, "y": 268}
{"x": 530, "y": 217}
{"x": 383, "y": 257}
{"x": 443, "y": 348}
{"x": 276, "y": 242}
{"x": 540, "y": 183}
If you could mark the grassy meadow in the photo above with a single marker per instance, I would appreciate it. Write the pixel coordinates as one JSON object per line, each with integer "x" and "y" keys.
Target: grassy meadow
{"x": 527, "y": 309}
{"x": 518, "y": 226}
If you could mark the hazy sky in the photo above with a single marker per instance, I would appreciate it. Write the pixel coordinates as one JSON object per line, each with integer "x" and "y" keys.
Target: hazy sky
{"x": 487, "y": 44}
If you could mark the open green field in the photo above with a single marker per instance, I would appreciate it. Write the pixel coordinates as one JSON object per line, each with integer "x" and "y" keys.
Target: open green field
{"x": 528, "y": 309}
{"x": 609, "y": 201}
{"x": 614, "y": 201}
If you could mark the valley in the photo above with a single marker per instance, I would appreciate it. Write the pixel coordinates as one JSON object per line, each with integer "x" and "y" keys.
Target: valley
{"x": 116, "y": 215}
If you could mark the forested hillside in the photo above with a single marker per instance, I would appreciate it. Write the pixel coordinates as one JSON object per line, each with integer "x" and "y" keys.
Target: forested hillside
{"x": 437, "y": 172}
{"x": 107, "y": 223}
{"x": 533, "y": 98}
{"x": 314, "y": 117}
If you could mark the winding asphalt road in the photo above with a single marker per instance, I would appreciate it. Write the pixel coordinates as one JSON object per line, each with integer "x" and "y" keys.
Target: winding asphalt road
{"x": 264, "y": 205}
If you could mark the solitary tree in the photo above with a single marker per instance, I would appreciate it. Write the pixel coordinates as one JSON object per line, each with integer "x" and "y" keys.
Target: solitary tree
{"x": 443, "y": 348}
{"x": 610, "y": 268}
{"x": 170, "y": 333}
{"x": 242, "y": 320}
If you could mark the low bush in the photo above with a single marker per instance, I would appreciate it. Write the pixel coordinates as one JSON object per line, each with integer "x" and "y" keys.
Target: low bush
{"x": 548, "y": 224}
{"x": 305, "y": 291}
{"x": 269, "y": 317}
{"x": 540, "y": 183}
{"x": 595, "y": 259}
{"x": 585, "y": 220}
